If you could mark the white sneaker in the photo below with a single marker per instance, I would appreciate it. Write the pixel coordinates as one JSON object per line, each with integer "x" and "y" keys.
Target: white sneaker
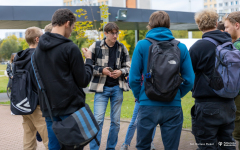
{"x": 124, "y": 147}
{"x": 152, "y": 146}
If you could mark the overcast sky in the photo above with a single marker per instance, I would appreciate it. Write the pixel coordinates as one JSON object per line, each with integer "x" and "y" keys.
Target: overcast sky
{"x": 174, "y": 5}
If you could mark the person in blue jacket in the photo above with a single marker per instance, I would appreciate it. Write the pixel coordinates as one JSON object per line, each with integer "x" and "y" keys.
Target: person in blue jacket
{"x": 168, "y": 115}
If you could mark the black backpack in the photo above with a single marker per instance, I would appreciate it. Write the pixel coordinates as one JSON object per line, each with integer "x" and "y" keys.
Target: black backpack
{"x": 23, "y": 99}
{"x": 163, "y": 70}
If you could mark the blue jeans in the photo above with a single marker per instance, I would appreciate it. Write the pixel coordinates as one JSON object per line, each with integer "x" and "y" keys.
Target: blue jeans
{"x": 100, "y": 104}
{"x": 53, "y": 143}
{"x": 133, "y": 125}
{"x": 170, "y": 119}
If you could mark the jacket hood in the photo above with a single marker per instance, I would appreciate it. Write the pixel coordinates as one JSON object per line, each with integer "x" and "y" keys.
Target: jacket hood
{"x": 160, "y": 34}
{"x": 23, "y": 57}
{"x": 50, "y": 40}
{"x": 219, "y": 36}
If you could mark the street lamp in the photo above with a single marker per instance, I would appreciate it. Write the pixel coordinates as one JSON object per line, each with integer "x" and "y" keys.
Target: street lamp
{"x": 121, "y": 14}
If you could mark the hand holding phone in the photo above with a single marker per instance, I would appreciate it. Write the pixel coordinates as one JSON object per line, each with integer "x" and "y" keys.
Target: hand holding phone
{"x": 110, "y": 69}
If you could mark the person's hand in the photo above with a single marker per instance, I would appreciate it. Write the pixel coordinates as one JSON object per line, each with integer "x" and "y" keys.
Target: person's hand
{"x": 106, "y": 72}
{"x": 87, "y": 53}
{"x": 116, "y": 74}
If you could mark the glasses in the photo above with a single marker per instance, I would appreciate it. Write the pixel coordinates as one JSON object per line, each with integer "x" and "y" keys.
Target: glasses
{"x": 230, "y": 18}
{"x": 113, "y": 33}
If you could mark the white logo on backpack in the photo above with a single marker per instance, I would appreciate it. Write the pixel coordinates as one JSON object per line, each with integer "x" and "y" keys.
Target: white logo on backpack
{"x": 26, "y": 105}
{"x": 172, "y": 62}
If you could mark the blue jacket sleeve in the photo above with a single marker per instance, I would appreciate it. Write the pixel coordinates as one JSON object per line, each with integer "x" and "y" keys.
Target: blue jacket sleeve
{"x": 136, "y": 70}
{"x": 186, "y": 70}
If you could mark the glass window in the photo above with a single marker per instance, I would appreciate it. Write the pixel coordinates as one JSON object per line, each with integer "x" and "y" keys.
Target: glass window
{"x": 98, "y": 4}
{"x": 226, "y": 3}
{"x": 236, "y": 9}
{"x": 106, "y": 2}
{"x": 215, "y": 5}
{"x": 220, "y": 4}
{"x": 211, "y": 6}
{"x": 102, "y": 3}
{"x": 210, "y": 0}
{"x": 20, "y": 35}
{"x": 205, "y": 1}
{"x": 220, "y": 11}
{"x": 205, "y": 6}
{"x": 232, "y": 10}
{"x": 231, "y": 3}
{"x": 236, "y": 2}
{"x": 94, "y": 4}
{"x": 68, "y": 4}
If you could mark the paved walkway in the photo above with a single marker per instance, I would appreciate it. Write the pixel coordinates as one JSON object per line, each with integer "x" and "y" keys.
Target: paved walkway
{"x": 11, "y": 133}
{"x": 3, "y": 97}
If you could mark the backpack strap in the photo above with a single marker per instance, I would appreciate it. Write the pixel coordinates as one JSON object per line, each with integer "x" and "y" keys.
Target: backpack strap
{"x": 175, "y": 42}
{"x": 211, "y": 40}
{"x": 97, "y": 49}
{"x": 122, "y": 51}
{"x": 152, "y": 40}
{"x": 40, "y": 85}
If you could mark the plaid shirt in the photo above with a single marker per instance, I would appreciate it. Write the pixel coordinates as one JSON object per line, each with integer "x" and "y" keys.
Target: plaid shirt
{"x": 122, "y": 63}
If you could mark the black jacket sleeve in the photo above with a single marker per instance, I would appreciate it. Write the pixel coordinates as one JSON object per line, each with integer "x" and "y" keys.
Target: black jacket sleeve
{"x": 82, "y": 73}
{"x": 9, "y": 70}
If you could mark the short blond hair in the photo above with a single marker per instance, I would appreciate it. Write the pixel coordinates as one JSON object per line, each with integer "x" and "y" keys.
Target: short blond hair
{"x": 232, "y": 17}
{"x": 31, "y": 33}
{"x": 48, "y": 28}
{"x": 206, "y": 19}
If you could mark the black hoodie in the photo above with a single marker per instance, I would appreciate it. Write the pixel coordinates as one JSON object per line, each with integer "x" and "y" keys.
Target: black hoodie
{"x": 63, "y": 73}
{"x": 203, "y": 60}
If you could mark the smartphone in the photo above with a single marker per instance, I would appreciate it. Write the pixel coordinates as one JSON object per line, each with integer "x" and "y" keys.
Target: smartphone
{"x": 110, "y": 69}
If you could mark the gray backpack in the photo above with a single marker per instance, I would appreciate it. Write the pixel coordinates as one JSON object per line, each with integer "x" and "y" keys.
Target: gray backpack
{"x": 226, "y": 74}
{"x": 163, "y": 70}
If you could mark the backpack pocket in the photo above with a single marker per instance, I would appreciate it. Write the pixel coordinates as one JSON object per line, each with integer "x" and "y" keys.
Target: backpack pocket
{"x": 216, "y": 81}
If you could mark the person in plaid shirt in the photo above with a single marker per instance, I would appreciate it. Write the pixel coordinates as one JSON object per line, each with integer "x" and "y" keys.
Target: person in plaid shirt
{"x": 111, "y": 64}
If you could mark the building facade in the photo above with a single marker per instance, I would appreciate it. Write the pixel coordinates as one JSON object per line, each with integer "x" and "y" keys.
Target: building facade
{"x": 223, "y": 6}
{"x": 17, "y": 34}
{"x": 142, "y": 4}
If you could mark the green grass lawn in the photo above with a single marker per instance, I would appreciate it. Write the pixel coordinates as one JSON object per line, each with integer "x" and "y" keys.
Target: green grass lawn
{"x": 3, "y": 80}
{"x": 128, "y": 106}
{"x": 3, "y": 67}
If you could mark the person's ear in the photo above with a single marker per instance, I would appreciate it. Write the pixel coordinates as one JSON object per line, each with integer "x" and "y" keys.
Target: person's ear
{"x": 105, "y": 33}
{"x": 37, "y": 39}
{"x": 67, "y": 24}
{"x": 237, "y": 25}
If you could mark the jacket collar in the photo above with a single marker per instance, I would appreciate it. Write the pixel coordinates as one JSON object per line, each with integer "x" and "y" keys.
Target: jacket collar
{"x": 102, "y": 42}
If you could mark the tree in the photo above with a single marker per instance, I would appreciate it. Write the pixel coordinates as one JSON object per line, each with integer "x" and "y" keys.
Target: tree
{"x": 22, "y": 44}
{"x": 9, "y": 46}
{"x": 197, "y": 34}
{"x": 78, "y": 41}
{"x": 180, "y": 33}
{"x": 130, "y": 38}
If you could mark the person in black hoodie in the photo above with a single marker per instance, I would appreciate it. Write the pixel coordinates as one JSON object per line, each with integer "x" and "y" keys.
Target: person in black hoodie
{"x": 212, "y": 116}
{"x": 34, "y": 122}
{"x": 62, "y": 70}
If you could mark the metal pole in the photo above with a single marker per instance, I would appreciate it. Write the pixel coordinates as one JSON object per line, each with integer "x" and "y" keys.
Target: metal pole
{"x": 136, "y": 36}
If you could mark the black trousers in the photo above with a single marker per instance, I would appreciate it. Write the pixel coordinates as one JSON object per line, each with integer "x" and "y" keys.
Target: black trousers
{"x": 213, "y": 125}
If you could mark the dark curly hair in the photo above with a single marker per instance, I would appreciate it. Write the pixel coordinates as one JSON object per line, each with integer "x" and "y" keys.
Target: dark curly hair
{"x": 61, "y": 16}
